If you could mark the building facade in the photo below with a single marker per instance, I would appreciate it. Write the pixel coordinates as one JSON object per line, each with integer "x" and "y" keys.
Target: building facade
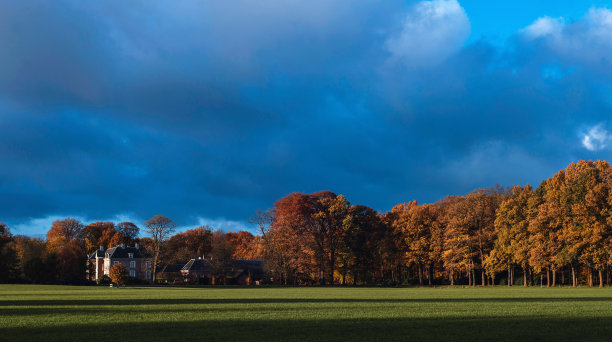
{"x": 137, "y": 261}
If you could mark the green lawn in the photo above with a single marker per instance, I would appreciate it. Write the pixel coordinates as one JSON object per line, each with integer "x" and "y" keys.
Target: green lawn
{"x": 65, "y": 313}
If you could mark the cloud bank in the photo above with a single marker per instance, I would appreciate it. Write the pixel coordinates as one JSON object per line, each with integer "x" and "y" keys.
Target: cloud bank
{"x": 202, "y": 110}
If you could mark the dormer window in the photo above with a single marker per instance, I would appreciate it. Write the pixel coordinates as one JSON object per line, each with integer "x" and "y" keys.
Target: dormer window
{"x": 107, "y": 255}
{"x": 131, "y": 255}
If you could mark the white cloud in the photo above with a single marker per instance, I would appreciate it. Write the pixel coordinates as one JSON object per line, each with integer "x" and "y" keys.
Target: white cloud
{"x": 224, "y": 224}
{"x": 431, "y": 32}
{"x": 588, "y": 38}
{"x": 545, "y": 26}
{"x": 596, "y": 138}
{"x": 600, "y": 25}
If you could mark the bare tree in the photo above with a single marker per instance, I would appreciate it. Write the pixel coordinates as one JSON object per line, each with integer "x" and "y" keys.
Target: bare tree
{"x": 159, "y": 228}
{"x": 263, "y": 220}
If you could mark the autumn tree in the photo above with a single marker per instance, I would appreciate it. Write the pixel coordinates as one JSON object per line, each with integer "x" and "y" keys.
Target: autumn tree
{"x": 8, "y": 257}
{"x": 71, "y": 262}
{"x": 32, "y": 261}
{"x": 98, "y": 234}
{"x": 221, "y": 255}
{"x": 471, "y": 231}
{"x": 512, "y": 246}
{"x": 592, "y": 215}
{"x": 187, "y": 245}
{"x": 126, "y": 233}
{"x": 318, "y": 226}
{"x": 294, "y": 239}
{"x": 458, "y": 252}
{"x": 243, "y": 245}
{"x": 269, "y": 249}
{"x": 362, "y": 239}
{"x": 118, "y": 274}
{"x": 159, "y": 228}
{"x": 63, "y": 231}
{"x": 66, "y": 245}
{"x": 329, "y": 217}
{"x": 416, "y": 223}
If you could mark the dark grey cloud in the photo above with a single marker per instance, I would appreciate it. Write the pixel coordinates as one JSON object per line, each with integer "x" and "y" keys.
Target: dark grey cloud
{"x": 206, "y": 111}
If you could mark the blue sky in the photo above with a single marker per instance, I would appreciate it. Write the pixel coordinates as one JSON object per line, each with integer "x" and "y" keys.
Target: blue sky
{"x": 498, "y": 20}
{"x": 205, "y": 111}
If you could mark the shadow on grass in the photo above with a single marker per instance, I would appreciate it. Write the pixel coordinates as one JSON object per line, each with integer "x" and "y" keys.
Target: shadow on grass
{"x": 489, "y": 329}
{"x": 199, "y": 301}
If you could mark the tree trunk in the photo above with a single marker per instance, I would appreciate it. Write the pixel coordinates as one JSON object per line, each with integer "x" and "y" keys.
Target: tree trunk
{"x": 469, "y": 274}
{"x": 154, "y": 268}
{"x": 562, "y": 277}
{"x": 430, "y": 274}
{"x": 420, "y": 270}
{"x": 483, "y": 278}
{"x": 590, "y": 277}
{"x": 554, "y": 277}
{"x": 321, "y": 274}
{"x": 547, "y": 277}
{"x": 332, "y": 265}
{"x": 452, "y": 278}
{"x": 600, "y": 278}
{"x": 473, "y": 274}
{"x": 524, "y": 276}
{"x": 573, "y": 276}
{"x": 509, "y": 276}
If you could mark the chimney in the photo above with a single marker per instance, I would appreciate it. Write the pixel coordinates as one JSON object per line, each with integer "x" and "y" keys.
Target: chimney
{"x": 101, "y": 248}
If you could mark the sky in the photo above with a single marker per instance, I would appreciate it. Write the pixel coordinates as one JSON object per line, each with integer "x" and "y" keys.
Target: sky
{"x": 205, "y": 111}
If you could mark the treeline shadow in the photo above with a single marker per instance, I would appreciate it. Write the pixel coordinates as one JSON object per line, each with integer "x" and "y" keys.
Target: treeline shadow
{"x": 187, "y": 301}
{"x": 400, "y": 329}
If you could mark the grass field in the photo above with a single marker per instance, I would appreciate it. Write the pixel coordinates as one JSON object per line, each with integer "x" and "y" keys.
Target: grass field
{"x": 65, "y": 313}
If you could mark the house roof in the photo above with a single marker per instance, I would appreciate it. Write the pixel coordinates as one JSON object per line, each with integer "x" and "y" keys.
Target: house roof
{"x": 172, "y": 268}
{"x": 120, "y": 252}
{"x": 198, "y": 265}
{"x": 99, "y": 253}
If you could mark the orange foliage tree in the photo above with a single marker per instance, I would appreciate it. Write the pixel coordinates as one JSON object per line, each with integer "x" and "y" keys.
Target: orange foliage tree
{"x": 118, "y": 274}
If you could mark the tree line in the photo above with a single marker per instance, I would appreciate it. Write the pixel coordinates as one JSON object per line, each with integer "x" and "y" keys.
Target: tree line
{"x": 558, "y": 233}
{"x": 61, "y": 258}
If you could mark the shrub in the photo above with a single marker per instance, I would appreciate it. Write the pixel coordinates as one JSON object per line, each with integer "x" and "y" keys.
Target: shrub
{"x": 103, "y": 280}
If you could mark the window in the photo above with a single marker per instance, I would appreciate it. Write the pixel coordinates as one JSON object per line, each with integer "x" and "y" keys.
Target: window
{"x": 148, "y": 274}
{"x": 132, "y": 264}
{"x": 115, "y": 262}
{"x": 132, "y": 273}
{"x": 131, "y": 255}
{"x": 148, "y": 264}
